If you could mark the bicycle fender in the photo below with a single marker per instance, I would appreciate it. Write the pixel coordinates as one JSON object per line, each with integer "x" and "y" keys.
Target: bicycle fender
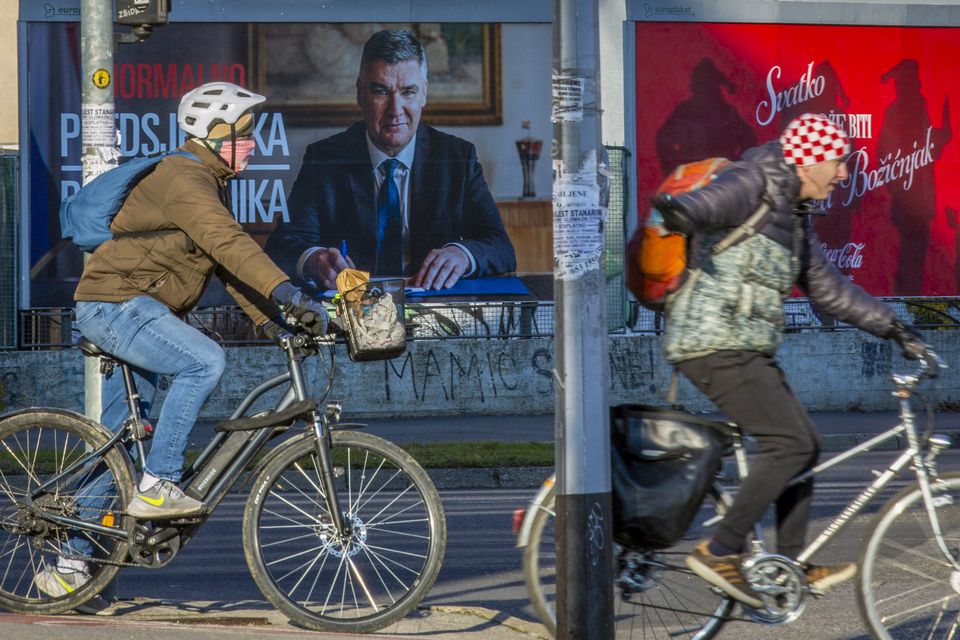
{"x": 64, "y": 412}
{"x": 523, "y": 537}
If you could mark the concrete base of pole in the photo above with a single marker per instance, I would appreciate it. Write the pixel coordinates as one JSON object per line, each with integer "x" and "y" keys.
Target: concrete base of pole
{"x": 583, "y": 525}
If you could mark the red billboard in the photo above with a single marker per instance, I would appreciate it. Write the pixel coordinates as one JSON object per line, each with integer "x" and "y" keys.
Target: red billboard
{"x": 717, "y": 89}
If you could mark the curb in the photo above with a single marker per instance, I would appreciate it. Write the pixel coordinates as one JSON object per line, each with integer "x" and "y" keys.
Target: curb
{"x": 451, "y": 621}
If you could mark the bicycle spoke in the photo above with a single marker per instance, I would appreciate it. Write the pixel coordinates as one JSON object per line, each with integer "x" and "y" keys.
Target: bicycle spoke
{"x": 375, "y": 570}
{"x": 907, "y": 584}
{"x": 36, "y": 448}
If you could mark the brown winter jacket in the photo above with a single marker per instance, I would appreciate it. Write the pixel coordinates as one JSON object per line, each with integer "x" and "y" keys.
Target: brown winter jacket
{"x": 184, "y": 202}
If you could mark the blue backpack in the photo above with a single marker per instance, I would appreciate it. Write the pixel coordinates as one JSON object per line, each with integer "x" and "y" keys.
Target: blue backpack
{"x": 85, "y": 216}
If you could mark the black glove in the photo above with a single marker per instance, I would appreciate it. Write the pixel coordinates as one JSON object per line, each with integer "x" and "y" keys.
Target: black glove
{"x": 912, "y": 345}
{"x": 675, "y": 216}
{"x": 275, "y": 330}
{"x": 310, "y": 315}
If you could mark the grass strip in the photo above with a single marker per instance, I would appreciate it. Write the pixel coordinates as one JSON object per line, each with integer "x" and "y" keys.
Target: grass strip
{"x": 437, "y": 455}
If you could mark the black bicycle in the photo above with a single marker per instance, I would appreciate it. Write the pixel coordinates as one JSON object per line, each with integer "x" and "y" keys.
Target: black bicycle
{"x": 342, "y": 530}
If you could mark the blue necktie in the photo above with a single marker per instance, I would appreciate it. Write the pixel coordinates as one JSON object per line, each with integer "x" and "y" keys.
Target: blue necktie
{"x": 389, "y": 223}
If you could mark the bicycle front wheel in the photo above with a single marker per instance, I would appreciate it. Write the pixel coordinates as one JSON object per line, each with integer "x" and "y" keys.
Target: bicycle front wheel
{"x": 656, "y": 596}
{"x": 359, "y": 582}
{"x": 36, "y": 446}
{"x": 907, "y": 587}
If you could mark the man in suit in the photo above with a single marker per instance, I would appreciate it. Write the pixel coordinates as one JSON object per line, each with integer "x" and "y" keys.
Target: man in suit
{"x": 390, "y": 195}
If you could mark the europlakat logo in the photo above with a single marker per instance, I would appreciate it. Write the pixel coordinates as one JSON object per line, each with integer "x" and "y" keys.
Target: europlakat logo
{"x": 54, "y": 10}
{"x": 652, "y": 11}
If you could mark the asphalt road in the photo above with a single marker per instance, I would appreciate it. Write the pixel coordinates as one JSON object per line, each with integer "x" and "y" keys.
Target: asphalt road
{"x": 482, "y": 568}
{"x": 540, "y": 428}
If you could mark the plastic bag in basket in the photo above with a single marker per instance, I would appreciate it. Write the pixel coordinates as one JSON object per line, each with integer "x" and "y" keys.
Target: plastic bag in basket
{"x": 377, "y": 324}
{"x": 350, "y": 284}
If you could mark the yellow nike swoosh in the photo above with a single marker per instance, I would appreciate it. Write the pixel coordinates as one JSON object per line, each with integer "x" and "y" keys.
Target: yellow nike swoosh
{"x": 63, "y": 583}
{"x": 154, "y": 501}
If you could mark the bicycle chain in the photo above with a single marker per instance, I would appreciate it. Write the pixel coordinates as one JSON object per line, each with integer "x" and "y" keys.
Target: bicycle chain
{"x": 115, "y": 563}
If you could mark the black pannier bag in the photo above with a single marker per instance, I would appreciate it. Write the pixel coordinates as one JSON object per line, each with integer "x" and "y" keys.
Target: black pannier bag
{"x": 662, "y": 464}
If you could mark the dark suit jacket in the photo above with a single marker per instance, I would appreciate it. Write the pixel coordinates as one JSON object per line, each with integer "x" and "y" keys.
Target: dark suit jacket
{"x": 333, "y": 200}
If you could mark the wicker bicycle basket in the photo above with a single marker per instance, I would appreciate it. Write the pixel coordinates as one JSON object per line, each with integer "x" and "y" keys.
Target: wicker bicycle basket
{"x": 373, "y": 319}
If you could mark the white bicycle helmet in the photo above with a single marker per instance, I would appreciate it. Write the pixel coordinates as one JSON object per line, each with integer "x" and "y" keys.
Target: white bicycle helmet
{"x": 214, "y": 103}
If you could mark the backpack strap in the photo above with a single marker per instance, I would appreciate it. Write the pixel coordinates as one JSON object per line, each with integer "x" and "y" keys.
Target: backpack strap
{"x": 751, "y": 225}
{"x": 163, "y": 232}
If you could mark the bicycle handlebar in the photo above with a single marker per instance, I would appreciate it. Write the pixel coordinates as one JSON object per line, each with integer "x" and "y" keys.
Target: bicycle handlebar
{"x": 928, "y": 368}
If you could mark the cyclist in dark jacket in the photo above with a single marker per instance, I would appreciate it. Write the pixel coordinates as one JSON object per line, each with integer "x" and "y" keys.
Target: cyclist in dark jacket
{"x": 722, "y": 332}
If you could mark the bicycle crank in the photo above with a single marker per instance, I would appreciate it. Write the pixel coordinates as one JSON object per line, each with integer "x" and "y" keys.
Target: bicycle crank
{"x": 781, "y": 585}
{"x": 154, "y": 548}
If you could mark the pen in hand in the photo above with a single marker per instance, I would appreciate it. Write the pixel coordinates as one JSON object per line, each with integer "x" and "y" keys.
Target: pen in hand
{"x": 343, "y": 249}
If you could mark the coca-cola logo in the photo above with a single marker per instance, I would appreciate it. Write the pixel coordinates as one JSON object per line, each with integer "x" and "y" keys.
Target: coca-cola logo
{"x": 849, "y": 256}
{"x": 806, "y": 88}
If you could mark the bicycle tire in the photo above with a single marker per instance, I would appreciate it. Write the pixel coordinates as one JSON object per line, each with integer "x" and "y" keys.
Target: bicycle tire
{"x": 539, "y": 561}
{"x": 906, "y": 587}
{"x": 674, "y": 604}
{"x": 386, "y": 566}
{"x": 40, "y": 443}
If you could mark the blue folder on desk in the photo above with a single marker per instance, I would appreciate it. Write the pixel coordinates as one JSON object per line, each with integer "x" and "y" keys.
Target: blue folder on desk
{"x": 502, "y": 286}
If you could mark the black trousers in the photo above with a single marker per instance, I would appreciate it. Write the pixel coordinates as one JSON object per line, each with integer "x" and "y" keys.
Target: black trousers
{"x": 751, "y": 389}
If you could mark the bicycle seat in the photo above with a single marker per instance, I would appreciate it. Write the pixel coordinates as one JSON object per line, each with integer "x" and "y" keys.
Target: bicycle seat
{"x": 90, "y": 349}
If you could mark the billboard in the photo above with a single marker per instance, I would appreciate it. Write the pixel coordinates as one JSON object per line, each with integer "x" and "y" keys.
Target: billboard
{"x": 478, "y": 91}
{"x": 711, "y": 89}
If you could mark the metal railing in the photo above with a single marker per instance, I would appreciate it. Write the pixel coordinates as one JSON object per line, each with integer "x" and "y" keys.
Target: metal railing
{"x": 51, "y": 328}
{"x": 800, "y": 315}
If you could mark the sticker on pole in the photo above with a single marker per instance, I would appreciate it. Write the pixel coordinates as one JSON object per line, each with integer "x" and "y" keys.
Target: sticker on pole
{"x": 577, "y": 228}
{"x": 567, "y": 99}
{"x": 101, "y": 78}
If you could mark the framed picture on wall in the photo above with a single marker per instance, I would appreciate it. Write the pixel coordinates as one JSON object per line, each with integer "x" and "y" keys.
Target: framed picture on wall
{"x": 309, "y": 71}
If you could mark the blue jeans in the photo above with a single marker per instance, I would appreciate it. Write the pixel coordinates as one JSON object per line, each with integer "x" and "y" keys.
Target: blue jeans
{"x": 145, "y": 333}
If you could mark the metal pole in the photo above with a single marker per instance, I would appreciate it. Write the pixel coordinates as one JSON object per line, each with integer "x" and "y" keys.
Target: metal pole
{"x": 100, "y": 152}
{"x": 584, "y": 541}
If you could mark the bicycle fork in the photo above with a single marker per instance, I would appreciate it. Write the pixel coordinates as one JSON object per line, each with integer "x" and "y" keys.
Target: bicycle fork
{"x": 319, "y": 423}
{"x": 321, "y": 434}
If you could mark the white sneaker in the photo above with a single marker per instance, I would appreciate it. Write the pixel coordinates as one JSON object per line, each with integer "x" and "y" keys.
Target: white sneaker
{"x": 56, "y": 583}
{"x": 162, "y": 501}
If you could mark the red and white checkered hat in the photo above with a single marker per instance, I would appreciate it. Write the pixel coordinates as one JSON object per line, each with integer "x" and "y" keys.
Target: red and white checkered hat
{"x": 810, "y": 139}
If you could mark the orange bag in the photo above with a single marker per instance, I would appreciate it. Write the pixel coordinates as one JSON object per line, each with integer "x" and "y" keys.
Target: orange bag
{"x": 657, "y": 258}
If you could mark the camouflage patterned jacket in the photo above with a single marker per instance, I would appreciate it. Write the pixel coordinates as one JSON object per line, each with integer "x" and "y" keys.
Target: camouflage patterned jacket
{"x": 735, "y": 302}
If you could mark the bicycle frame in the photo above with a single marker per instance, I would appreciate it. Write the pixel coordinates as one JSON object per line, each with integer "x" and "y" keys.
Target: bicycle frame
{"x": 916, "y": 452}
{"x": 219, "y": 481}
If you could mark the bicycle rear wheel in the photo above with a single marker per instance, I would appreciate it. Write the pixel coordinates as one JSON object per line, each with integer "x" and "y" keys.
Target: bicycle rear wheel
{"x": 656, "y": 596}
{"x": 368, "y": 579}
{"x": 37, "y": 445}
{"x": 907, "y": 588}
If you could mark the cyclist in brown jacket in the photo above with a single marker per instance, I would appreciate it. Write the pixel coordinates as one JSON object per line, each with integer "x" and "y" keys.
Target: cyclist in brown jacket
{"x": 174, "y": 231}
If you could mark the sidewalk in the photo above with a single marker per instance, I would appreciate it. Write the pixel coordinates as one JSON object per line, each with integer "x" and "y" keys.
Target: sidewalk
{"x": 261, "y": 619}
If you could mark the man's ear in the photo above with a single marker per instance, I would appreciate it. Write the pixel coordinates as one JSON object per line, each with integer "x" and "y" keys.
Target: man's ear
{"x": 358, "y": 91}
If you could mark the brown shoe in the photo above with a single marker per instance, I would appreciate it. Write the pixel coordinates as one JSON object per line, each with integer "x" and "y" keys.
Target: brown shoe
{"x": 724, "y": 573}
{"x": 821, "y": 577}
